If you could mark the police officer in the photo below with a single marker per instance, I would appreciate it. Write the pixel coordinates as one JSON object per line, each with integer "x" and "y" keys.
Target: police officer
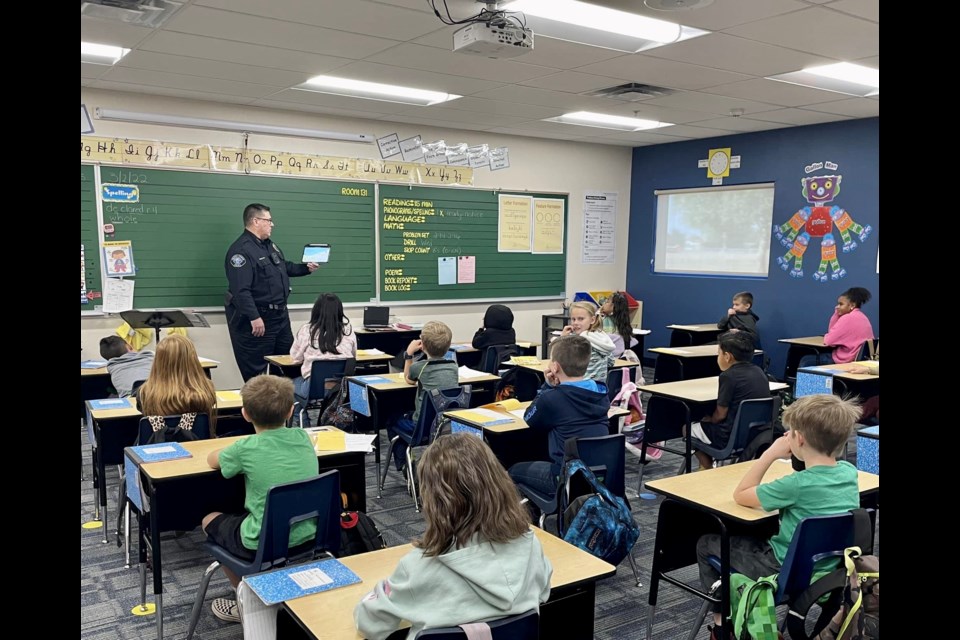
{"x": 256, "y": 301}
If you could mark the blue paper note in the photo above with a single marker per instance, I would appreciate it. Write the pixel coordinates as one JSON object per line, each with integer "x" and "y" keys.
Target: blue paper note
{"x": 301, "y": 580}
{"x": 110, "y": 403}
{"x": 93, "y": 364}
{"x": 359, "y": 400}
{"x": 373, "y": 379}
{"x": 161, "y": 451}
{"x": 447, "y": 270}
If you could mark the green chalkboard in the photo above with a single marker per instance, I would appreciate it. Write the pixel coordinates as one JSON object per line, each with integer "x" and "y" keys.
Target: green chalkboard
{"x": 419, "y": 225}
{"x": 89, "y": 240}
{"x": 185, "y": 221}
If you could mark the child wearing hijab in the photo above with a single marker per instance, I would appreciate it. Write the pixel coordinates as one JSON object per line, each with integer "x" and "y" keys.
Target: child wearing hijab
{"x": 497, "y": 328}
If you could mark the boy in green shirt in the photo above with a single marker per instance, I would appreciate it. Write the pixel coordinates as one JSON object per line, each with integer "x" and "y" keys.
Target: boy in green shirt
{"x": 274, "y": 455}
{"x": 819, "y": 426}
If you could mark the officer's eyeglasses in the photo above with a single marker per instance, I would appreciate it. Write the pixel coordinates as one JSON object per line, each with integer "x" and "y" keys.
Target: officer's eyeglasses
{"x": 268, "y": 220}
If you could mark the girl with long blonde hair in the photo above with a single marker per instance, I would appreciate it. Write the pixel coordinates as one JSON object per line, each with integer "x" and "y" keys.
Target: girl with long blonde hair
{"x": 177, "y": 383}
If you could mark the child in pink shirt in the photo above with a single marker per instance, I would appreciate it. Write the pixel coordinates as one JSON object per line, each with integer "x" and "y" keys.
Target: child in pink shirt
{"x": 849, "y": 329}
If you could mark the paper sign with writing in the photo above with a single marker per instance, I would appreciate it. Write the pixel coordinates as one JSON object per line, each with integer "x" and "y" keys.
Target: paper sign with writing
{"x": 514, "y": 223}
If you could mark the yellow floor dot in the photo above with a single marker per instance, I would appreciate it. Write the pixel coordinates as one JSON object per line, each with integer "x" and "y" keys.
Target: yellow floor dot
{"x": 93, "y": 524}
{"x": 145, "y": 610}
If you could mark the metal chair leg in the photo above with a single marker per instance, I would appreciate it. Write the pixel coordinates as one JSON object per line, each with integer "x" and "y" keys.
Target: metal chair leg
{"x": 376, "y": 458}
{"x": 704, "y": 608}
{"x": 126, "y": 534}
{"x": 386, "y": 464}
{"x": 412, "y": 476}
{"x": 633, "y": 566}
{"x": 650, "y": 611}
{"x": 201, "y": 594}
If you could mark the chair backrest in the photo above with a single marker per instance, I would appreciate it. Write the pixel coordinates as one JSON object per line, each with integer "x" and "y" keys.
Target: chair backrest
{"x": 495, "y": 355}
{"x": 816, "y": 538}
{"x": 522, "y": 626}
{"x": 605, "y": 455}
{"x": 615, "y": 380}
{"x": 868, "y": 350}
{"x": 322, "y": 371}
{"x": 201, "y": 426}
{"x": 287, "y": 504}
{"x": 750, "y": 414}
{"x": 432, "y": 406}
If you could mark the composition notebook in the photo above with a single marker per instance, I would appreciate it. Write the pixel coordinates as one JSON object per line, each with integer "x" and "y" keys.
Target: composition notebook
{"x": 301, "y": 580}
{"x": 160, "y": 452}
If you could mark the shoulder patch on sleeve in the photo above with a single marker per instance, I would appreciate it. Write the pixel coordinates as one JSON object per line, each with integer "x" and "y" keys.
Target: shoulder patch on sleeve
{"x": 237, "y": 260}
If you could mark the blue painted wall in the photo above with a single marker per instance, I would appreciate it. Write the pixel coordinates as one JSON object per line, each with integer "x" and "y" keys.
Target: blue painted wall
{"x": 787, "y": 307}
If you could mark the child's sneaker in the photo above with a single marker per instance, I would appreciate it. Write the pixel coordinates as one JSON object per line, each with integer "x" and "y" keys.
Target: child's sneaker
{"x": 226, "y": 609}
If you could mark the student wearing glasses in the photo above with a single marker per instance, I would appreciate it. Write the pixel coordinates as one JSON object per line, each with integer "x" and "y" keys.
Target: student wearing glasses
{"x": 259, "y": 284}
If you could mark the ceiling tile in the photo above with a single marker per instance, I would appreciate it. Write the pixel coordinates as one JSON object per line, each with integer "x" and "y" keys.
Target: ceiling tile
{"x": 774, "y": 92}
{"x": 854, "y": 107}
{"x": 709, "y": 103}
{"x": 573, "y": 82}
{"x": 739, "y": 124}
{"x": 532, "y": 133}
{"x": 199, "y": 46}
{"x": 210, "y": 69}
{"x": 88, "y": 70}
{"x": 118, "y": 34}
{"x": 452, "y": 114}
{"x": 694, "y": 131}
{"x": 355, "y": 16}
{"x": 187, "y": 83}
{"x": 294, "y": 96}
{"x": 869, "y": 9}
{"x": 316, "y": 108}
{"x": 663, "y": 73}
{"x": 373, "y": 72}
{"x": 502, "y": 107}
{"x": 797, "y": 117}
{"x": 278, "y": 33}
{"x": 819, "y": 31}
{"x": 415, "y": 56}
{"x": 559, "y": 102}
{"x": 719, "y": 15}
{"x": 153, "y": 89}
{"x": 723, "y": 51}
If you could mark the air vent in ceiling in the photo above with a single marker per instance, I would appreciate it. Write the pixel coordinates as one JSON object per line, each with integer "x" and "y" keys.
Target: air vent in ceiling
{"x": 143, "y": 13}
{"x": 632, "y": 92}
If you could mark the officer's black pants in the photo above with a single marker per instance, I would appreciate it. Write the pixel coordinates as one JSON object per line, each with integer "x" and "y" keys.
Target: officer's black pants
{"x": 250, "y": 350}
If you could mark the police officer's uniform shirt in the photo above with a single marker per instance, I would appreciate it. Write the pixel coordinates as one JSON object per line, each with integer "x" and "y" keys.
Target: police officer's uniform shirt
{"x": 258, "y": 274}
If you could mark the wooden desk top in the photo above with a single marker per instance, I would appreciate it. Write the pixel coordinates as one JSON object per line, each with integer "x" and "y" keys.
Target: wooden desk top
{"x": 391, "y": 330}
{"x": 226, "y": 399}
{"x": 619, "y": 363}
{"x": 206, "y": 363}
{"x": 515, "y": 424}
{"x": 699, "y": 351}
{"x": 696, "y": 390}
{"x": 695, "y": 328}
{"x": 466, "y": 346}
{"x": 362, "y": 356}
{"x": 329, "y": 615}
{"x": 844, "y": 370}
{"x": 811, "y": 341}
{"x": 397, "y": 381}
{"x": 197, "y": 464}
{"x": 714, "y": 488}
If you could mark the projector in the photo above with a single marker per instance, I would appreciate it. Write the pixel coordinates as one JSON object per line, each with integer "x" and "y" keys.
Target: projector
{"x": 493, "y": 41}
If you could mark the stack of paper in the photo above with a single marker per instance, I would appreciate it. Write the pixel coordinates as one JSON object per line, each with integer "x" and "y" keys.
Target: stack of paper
{"x": 524, "y": 360}
{"x": 370, "y": 352}
{"x": 517, "y": 413}
{"x": 229, "y": 396}
{"x": 507, "y": 405}
{"x": 484, "y": 417}
{"x": 468, "y": 373}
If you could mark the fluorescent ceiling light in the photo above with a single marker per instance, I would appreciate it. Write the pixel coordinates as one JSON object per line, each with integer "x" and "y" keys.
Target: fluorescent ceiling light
{"x": 228, "y": 125}
{"x": 604, "y": 121}
{"x": 101, "y": 53}
{"x": 842, "y": 77}
{"x": 599, "y": 26}
{"x": 374, "y": 91}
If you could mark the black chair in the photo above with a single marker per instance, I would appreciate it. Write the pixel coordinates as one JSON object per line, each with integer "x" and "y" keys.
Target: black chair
{"x": 523, "y": 626}
{"x": 316, "y": 498}
{"x": 325, "y": 378}
{"x": 495, "y": 355}
{"x": 750, "y": 414}
{"x": 452, "y": 398}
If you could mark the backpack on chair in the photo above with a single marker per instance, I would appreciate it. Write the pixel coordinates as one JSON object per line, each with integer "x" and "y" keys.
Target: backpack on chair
{"x": 338, "y": 413}
{"x": 441, "y": 403}
{"x": 632, "y": 424}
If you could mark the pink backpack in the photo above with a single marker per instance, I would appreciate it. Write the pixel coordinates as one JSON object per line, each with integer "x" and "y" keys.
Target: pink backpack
{"x": 632, "y": 423}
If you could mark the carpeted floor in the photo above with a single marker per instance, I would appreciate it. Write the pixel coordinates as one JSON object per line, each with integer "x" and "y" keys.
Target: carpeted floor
{"x": 108, "y": 591}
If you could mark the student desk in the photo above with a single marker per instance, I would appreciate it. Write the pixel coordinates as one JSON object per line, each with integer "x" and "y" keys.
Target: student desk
{"x": 390, "y": 341}
{"x": 689, "y": 335}
{"x": 378, "y": 401}
{"x": 512, "y": 441}
{"x": 799, "y": 347}
{"x": 684, "y": 363}
{"x": 689, "y": 394}
{"x": 179, "y": 493}
{"x": 701, "y": 503}
{"x": 569, "y": 612}
{"x": 846, "y": 383}
{"x": 541, "y": 366}
{"x": 111, "y": 430}
{"x": 95, "y": 383}
{"x": 283, "y": 365}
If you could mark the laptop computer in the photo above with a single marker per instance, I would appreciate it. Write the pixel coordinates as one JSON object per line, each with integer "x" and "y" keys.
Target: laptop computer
{"x": 376, "y": 317}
